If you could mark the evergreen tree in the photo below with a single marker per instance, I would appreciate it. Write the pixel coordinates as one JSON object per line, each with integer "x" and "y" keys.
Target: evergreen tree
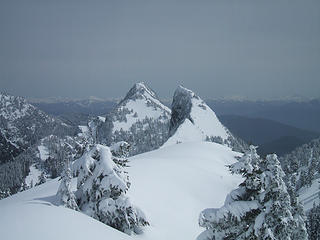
{"x": 276, "y": 218}
{"x": 313, "y": 222}
{"x": 297, "y": 210}
{"x": 4, "y": 193}
{"x": 102, "y": 187}
{"x": 41, "y": 179}
{"x": 65, "y": 194}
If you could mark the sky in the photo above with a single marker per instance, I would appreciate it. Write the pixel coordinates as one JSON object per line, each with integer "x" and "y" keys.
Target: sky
{"x": 251, "y": 49}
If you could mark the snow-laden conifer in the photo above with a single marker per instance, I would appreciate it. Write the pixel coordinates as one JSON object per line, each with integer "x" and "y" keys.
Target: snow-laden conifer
{"x": 102, "y": 187}
{"x": 313, "y": 222}
{"x": 65, "y": 195}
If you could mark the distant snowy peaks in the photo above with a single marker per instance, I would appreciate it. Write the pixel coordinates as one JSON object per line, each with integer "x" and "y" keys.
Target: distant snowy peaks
{"x": 193, "y": 120}
{"x": 12, "y": 107}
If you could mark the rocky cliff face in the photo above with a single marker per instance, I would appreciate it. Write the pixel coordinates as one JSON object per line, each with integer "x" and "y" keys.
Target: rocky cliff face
{"x": 193, "y": 120}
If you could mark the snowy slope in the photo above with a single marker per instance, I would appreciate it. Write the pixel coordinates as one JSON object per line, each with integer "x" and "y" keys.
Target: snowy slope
{"x": 310, "y": 195}
{"x": 139, "y": 119}
{"x": 32, "y": 215}
{"x": 172, "y": 185}
{"x": 193, "y": 120}
{"x": 177, "y": 183}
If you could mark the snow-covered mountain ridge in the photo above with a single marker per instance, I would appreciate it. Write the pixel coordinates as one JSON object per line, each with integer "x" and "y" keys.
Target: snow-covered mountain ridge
{"x": 22, "y": 124}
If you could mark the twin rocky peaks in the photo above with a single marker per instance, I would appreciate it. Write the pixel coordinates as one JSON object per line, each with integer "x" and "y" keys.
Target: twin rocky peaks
{"x": 143, "y": 121}
{"x": 140, "y": 119}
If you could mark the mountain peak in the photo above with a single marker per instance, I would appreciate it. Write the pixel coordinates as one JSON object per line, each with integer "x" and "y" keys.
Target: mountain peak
{"x": 193, "y": 120}
{"x": 181, "y": 107}
{"x": 185, "y": 91}
{"x": 140, "y": 90}
{"x": 139, "y": 119}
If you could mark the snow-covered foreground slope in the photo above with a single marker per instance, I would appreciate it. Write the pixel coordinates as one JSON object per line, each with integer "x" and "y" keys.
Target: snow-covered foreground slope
{"x": 32, "y": 215}
{"x": 172, "y": 185}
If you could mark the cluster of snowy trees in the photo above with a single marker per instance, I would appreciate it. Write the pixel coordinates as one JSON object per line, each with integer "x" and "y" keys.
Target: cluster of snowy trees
{"x": 235, "y": 143}
{"x": 260, "y": 208}
{"x": 24, "y": 125}
{"x": 102, "y": 184}
{"x": 13, "y": 173}
{"x": 60, "y": 149}
{"x": 302, "y": 165}
{"x": 313, "y": 222}
{"x": 8, "y": 151}
{"x": 144, "y": 136}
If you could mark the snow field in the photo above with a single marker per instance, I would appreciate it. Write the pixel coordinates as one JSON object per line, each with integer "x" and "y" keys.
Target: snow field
{"x": 172, "y": 185}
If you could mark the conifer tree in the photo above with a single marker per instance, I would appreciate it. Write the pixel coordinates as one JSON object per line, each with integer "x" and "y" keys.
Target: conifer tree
{"x": 41, "y": 179}
{"x": 102, "y": 188}
{"x": 313, "y": 222}
{"x": 65, "y": 194}
{"x": 276, "y": 215}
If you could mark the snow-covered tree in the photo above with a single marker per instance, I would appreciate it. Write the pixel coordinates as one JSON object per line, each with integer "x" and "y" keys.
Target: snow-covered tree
{"x": 304, "y": 163}
{"x": 260, "y": 208}
{"x": 275, "y": 220}
{"x": 102, "y": 186}
{"x": 42, "y": 178}
{"x": 120, "y": 152}
{"x": 65, "y": 195}
{"x": 313, "y": 222}
{"x": 4, "y": 193}
{"x": 297, "y": 211}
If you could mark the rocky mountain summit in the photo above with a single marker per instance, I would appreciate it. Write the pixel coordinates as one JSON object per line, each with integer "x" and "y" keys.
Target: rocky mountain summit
{"x": 139, "y": 119}
{"x": 193, "y": 120}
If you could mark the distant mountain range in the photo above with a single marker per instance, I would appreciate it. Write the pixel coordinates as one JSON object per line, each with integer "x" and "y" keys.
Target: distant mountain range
{"x": 269, "y": 135}
{"x": 76, "y": 112}
{"x": 286, "y": 120}
{"x": 299, "y": 114}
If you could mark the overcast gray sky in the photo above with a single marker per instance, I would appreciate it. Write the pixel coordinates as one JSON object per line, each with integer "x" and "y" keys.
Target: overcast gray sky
{"x": 255, "y": 49}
